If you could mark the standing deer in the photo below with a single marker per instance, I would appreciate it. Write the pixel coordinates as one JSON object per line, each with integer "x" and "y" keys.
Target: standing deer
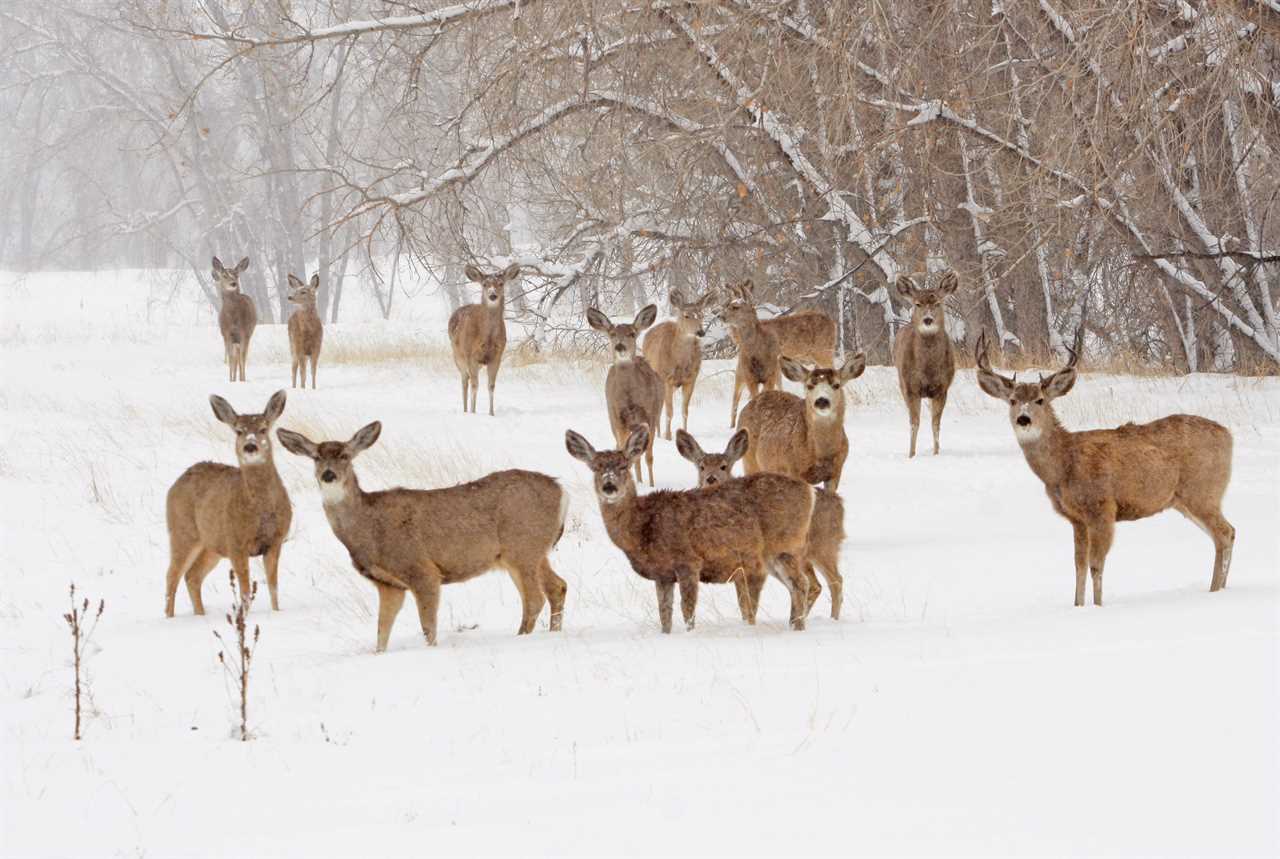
{"x": 738, "y": 532}
{"x": 632, "y": 390}
{"x": 923, "y": 355}
{"x": 674, "y": 349}
{"x": 478, "y": 332}
{"x": 1099, "y": 477}
{"x": 216, "y": 511}
{"x": 826, "y": 525}
{"x": 420, "y": 539}
{"x": 804, "y": 438}
{"x": 808, "y": 335}
{"x": 758, "y": 352}
{"x": 238, "y": 317}
{"x": 306, "y": 330}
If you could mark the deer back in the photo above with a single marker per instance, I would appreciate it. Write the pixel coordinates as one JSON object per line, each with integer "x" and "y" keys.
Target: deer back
{"x": 633, "y": 393}
{"x": 808, "y": 335}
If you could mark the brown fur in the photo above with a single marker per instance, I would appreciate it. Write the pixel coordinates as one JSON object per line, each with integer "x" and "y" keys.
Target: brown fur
{"x": 237, "y": 318}
{"x": 216, "y": 511}
{"x": 306, "y": 330}
{"x": 758, "y": 349}
{"x": 420, "y": 539}
{"x": 826, "y": 525}
{"x": 633, "y": 389}
{"x": 674, "y": 350}
{"x": 807, "y": 335}
{"x": 923, "y": 354}
{"x": 1099, "y": 477}
{"x": 803, "y": 438}
{"x": 738, "y": 532}
{"x": 478, "y": 332}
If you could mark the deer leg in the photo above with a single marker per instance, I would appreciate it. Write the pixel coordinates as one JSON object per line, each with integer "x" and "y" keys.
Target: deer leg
{"x": 827, "y": 563}
{"x": 271, "y": 561}
{"x": 666, "y": 595}
{"x": 1082, "y": 558}
{"x": 244, "y": 357}
{"x": 755, "y": 584}
{"x": 293, "y": 373}
{"x": 936, "y": 405}
{"x": 390, "y": 599}
{"x": 1101, "y": 533}
{"x": 744, "y": 595}
{"x": 528, "y": 583}
{"x": 491, "y": 373}
{"x": 788, "y": 571}
{"x": 815, "y": 587}
{"x": 555, "y": 589}
{"x": 648, "y": 458}
{"x": 688, "y": 580}
{"x": 181, "y": 557}
{"x": 427, "y": 595}
{"x": 668, "y": 405}
{"x": 913, "y": 411}
{"x": 737, "y": 395}
{"x": 195, "y": 579}
{"x": 465, "y": 379}
{"x": 687, "y": 392}
{"x": 315, "y": 359}
{"x": 234, "y": 363}
{"x": 240, "y": 565}
{"x": 474, "y": 373}
{"x": 1223, "y": 535}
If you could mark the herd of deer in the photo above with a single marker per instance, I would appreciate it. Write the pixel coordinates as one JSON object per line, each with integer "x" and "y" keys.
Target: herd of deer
{"x": 772, "y": 521}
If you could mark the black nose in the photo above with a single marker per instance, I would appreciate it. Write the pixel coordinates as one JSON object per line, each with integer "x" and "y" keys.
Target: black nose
{"x": 250, "y": 448}
{"x": 493, "y": 296}
{"x": 822, "y": 402}
{"x": 328, "y": 476}
{"x": 1024, "y": 421}
{"x": 619, "y": 348}
{"x": 711, "y": 481}
{"x": 702, "y": 332}
{"x": 608, "y": 489}
{"x": 928, "y": 320}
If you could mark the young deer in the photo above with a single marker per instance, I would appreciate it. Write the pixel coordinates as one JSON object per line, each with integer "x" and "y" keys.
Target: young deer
{"x": 674, "y": 348}
{"x": 306, "y": 330}
{"x": 737, "y": 532}
{"x": 419, "y": 539}
{"x": 758, "y": 350}
{"x": 1099, "y": 477}
{"x": 826, "y": 525}
{"x": 216, "y": 511}
{"x": 809, "y": 335}
{"x": 478, "y": 332}
{"x": 238, "y": 317}
{"x": 923, "y": 354}
{"x": 804, "y": 438}
{"x": 632, "y": 390}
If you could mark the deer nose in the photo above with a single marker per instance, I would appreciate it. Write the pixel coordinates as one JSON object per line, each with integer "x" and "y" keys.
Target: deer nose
{"x": 1024, "y": 421}
{"x": 928, "y": 320}
{"x": 608, "y": 489}
{"x": 328, "y": 476}
{"x": 493, "y": 296}
{"x": 822, "y": 403}
{"x": 619, "y": 348}
{"x": 250, "y": 448}
{"x": 711, "y": 481}
{"x": 702, "y": 332}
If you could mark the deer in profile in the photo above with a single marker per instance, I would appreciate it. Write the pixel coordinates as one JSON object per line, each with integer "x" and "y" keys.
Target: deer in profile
{"x": 420, "y": 539}
{"x": 803, "y": 438}
{"x": 238, "y": 316}
{"x": 758, "y": 352}
{"x": 632, "y": 390}
{"x": 478, "y": 332}
{"x": 238, "y": 512}
{"x": 1096, "y": 478}
{"x": 674, "y": 349}
{"x": 809, "y": 335}
{"x": 923, "y": 355}
{"x": 306, "y": 330}
{"x": 739, "y": 532}
{"x": 826, "y": 525}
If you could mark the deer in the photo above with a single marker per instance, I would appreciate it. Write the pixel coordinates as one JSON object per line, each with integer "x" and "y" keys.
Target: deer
{"x": 478, "y": 332}
{"x": 237, "y": 512}
{"x": 923, "y": 355}
{"x": 632, "y": 390}
{"x": 238, "y": 316}
{"x": 758, "y": 352}
{"x": 306, "y": 330}
{"x": 809, "y": 335}
{"x": 417, "y": 540}
{"x": 826, "y": 525}
{"x": 803, "y": 438}
{"x": 674, "y": 350}
{"x": 739, "y": 532}
{"x": 1097, "y": 478}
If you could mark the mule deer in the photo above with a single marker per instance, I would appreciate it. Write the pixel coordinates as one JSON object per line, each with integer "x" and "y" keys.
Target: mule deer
{"x": 1099, "y": 477}
{"x": 674, "y": 349}
{"x": 216, "y": 511}
{"x": 803, "y": 438}
{"x": 419, "y": 539}
{"x": 478, "y": 332}
{"x": 758, "y": 352}
{"x": 826, "y": 525}
{"x": 809, "y": 335}
{"x": 632, "y": 390}
{"x": 306, "y": 330}
{"x": 238, "y": 317}
{"x": 923, "y": 355}
{"x": 737, "y": 532}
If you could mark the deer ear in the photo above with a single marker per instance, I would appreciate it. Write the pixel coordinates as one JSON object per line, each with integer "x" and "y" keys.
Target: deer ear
{"x": 275, "y": 407}
{"x": 793, "y": 369}
{"x": 906, "y": 287}
{"x": 598, "y": 320}
{"x": 315, "y": 280}
{"x": 994, "y": 384}
{"x": 473, "y": 273}
{"x": 242, "y": 265}
{"x": 853, "y": 366}
{"x": 579, "y": 447}
{"x": 364, "y": 438}
{"x": 1059, "y": 384}
{"x": 294, "y": 283}
{"x": 748, "y": 289}
{"x": 645, "y": 317}
{"x": 950, "y": 280}
{"x": 511, "y": 272}
{"x": 222, "y": 410}
{"x": 737, "y": 447}
{"x": 217, "y": 265}
{"x": 676, "y": 298}
{"x": 688, "y": 447}
{"x": 297, "y": 443}
{"x": 637, "y": 442}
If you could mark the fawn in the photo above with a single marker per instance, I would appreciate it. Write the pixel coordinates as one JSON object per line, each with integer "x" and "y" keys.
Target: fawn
{"x": 674, "y": 349}
{"x": 923, "y": 355}
{"x": 826, "y": 525}
{"x": 419, "y": 539}
{"x": 306, "y": 330}
{"x": 218, "y": 511}
{"x": 1099, "y": 477}
{"x": 737, "y": 532}
{"x": 632, "y": 390}
{"x": 238, "y": 316}
{"x": 478, "y": 332}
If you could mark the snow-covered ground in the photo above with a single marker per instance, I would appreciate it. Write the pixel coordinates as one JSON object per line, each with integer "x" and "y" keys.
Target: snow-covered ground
{"x": 962, "y": 707}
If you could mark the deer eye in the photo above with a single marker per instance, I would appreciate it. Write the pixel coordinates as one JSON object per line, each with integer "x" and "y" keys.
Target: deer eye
{"x": 1013, "y": 401}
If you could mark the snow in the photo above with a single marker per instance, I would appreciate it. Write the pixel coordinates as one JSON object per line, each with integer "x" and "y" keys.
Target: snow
{"x": 962, "y": 707}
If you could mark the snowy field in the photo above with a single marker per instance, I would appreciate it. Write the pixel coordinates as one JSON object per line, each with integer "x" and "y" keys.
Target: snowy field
{"x": 961, "y": 707}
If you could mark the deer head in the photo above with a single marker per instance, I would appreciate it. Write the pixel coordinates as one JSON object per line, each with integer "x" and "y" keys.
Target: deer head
{"x": 493, "y": 287}
{"x": 713, "y": 468}
{"x": 228, "y": 279}
{"x": 253, "y": 432}
{"x": 622, "y": 337}
{"x": 822, "y": 384}
{"x": 689, "y": 315}
{"x": 303, "y": 293}
{"x": 611, "y": 468}
{"x": 1030, "y": 403}
{"x": 928, "y": 306}
{"x": 333, "y": 459}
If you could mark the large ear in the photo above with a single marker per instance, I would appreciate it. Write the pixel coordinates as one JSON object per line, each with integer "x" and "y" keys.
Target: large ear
{"x": 637, "y": 442}
{"x": 579, "y": 447}
{"x": 645, "y": 317}
{"x": 853, "y": 366}
{"x": 748, "y": 289}
{"x": 793, "y": 369}
{"x": 906, "y": 287}
{"x": 676, "y": 298}
{"x": 242, "y": 265}
{"x": 1059, "y": 383}
{"x": 364, "y": 438}
{"x": 296, "y": 442}
{"x": 598, "y": 320}
{"x": 511, "y": 272}
{"x": 737, "y": 447}
{"x": 473, "y": 273}
{"x": 950, "y": 280}
{"x": 315, "y": 280}
{"x": 294, "y": 283}
{"x": 217, "y": 265}
{"x": 222, "y": 410}
{"x": 990, "y": 381}
{"x": 275, "y": 407}
{"x": 688, "y": 447}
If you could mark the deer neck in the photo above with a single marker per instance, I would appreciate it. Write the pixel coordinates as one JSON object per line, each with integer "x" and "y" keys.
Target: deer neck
{"x": 308, "y": 308}
{"x": 824, "y": 431}
{"x": 618, "y": 518}
{"x": 260, "y": 480}
{"x": 1046, "y": 452}
{"x": 342, "y": 503}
